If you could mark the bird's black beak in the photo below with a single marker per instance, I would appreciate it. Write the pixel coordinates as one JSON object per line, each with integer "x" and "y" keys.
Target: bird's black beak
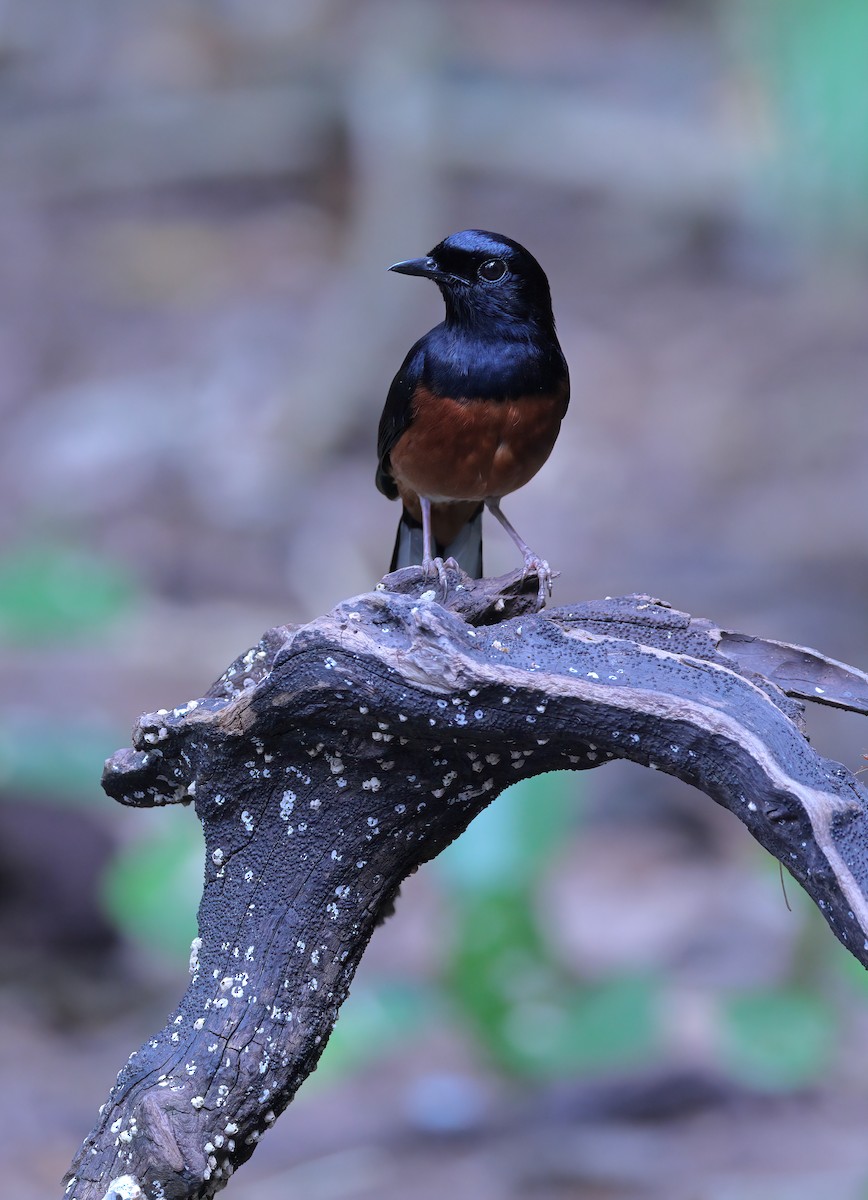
{"x": 427, "y": 267}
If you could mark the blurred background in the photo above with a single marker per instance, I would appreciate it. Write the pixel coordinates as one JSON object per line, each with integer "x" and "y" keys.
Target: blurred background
{"x": 601, "y": 990}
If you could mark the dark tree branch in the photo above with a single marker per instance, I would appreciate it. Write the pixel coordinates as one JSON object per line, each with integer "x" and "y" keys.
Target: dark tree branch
{"x": 332, "y": 759}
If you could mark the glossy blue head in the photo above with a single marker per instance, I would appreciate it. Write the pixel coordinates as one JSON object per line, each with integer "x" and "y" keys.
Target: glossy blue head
{"x": 485, "y": 277}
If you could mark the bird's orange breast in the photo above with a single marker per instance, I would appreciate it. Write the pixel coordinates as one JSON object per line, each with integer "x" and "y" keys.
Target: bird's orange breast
{"x": 472, "y": 449}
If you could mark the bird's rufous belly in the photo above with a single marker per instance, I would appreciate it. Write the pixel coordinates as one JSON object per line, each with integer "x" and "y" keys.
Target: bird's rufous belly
{"x": 474, "y": 449}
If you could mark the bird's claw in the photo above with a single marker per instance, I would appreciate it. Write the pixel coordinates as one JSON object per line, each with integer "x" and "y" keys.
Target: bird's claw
{"x": 534, "y": 565}
{"x": 438, "y": 566}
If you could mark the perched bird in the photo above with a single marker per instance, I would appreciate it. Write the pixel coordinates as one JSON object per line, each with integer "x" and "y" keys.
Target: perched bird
{"x": 476, "y": 407}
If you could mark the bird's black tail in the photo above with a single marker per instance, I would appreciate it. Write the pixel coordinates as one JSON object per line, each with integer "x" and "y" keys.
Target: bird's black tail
{"x": 466, "y": 548}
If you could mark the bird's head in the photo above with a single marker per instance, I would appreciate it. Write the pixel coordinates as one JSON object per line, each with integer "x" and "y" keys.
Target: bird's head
{"x": 485, "y": 277}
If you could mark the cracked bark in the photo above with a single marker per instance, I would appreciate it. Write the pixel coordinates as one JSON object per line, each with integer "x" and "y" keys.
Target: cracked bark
{"x": 333, "y": 758}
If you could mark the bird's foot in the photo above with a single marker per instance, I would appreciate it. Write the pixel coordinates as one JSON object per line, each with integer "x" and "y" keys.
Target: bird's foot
{"x": 534, "y": 565}
{"x": 438, "y": 567}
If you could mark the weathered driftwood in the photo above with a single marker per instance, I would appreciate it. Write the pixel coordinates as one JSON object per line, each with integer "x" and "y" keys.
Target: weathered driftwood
{"x": 333, "y": 758}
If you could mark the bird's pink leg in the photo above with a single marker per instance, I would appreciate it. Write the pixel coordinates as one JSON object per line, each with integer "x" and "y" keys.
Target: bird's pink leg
{"x": 428, "y": 560}
{"x": 532, "y": 562}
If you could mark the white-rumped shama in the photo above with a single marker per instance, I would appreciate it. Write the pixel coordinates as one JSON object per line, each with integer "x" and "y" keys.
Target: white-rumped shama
{"x": 476, "y": 407}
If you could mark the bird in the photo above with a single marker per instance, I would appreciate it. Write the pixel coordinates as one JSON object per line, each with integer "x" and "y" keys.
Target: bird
{"x": 476, "y": 406}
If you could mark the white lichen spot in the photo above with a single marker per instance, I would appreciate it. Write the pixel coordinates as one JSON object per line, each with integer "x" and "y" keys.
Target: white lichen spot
{"x": 371, "y": 785}
{"x": 287, "y": 802}
{"x": 195, "y": 947}
{"x": 217, "y": 856}
{"x": 198, "y": 1102}
{"x": 123, "y": 1187}
{"x": 247, "y": 821}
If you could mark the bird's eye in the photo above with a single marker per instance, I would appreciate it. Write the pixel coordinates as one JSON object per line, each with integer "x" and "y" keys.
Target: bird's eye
{"x": 492, "y": 269}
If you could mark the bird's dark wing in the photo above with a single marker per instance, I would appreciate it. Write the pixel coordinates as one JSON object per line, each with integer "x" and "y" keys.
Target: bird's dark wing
{"x": 397, "y": 414}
